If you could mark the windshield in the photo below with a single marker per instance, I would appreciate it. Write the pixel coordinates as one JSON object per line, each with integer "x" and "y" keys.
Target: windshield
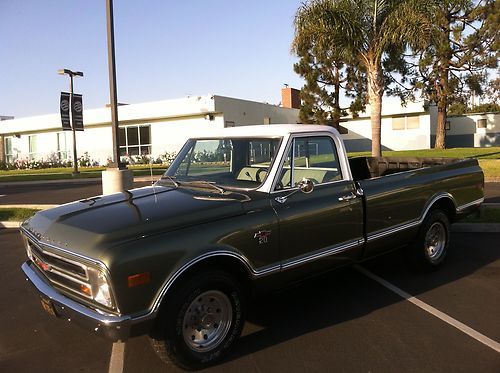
{"x": 237, "y": 163}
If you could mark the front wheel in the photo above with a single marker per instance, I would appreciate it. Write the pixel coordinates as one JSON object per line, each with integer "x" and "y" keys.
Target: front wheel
{"x": 430, "y": 248}
{"x": 201, "y": 321}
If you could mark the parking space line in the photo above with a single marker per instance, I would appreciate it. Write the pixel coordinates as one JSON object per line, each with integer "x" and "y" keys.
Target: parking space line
{"x": 433, "y": 311}
{"x": 117, "y": 358}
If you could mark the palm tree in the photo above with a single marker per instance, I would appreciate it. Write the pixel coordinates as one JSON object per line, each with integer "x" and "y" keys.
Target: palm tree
{"x": 366, "y": 31}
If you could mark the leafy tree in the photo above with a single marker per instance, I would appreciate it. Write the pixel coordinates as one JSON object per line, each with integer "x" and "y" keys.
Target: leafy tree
{"x": 368, "y": 31}
{"x": 326, "y": 75}
{"x": 463, "y": 45}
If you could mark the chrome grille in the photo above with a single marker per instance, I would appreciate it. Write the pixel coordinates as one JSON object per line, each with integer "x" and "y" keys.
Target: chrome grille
{"x": 59, "y": 263}
{"x": 60, "y": 271}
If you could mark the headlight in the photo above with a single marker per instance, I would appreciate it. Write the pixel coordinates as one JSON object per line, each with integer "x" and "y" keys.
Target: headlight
{"x": 100, "y": 289}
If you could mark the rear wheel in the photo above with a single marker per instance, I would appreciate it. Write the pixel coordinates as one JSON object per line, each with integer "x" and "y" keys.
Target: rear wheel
{"x": 201, "y": 321}
{"x": 431, "y": 246}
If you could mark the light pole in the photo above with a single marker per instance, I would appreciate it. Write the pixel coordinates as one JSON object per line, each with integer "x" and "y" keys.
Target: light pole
{"x": 71, "y": 74}
{"x": 112, "y": 84}
{"x": 117, "y": 177}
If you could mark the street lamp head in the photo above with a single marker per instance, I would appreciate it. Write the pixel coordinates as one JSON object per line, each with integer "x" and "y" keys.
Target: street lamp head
{"x": 69, "y": 72}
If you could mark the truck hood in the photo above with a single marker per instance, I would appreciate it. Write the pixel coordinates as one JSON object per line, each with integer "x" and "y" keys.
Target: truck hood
{"x": 89, "y": 226}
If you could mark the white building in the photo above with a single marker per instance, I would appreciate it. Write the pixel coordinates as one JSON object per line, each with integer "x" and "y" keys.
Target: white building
{"x": 152, "y": 128}
{"x": 414, "y": 127}
{"x": 156, "y": 128}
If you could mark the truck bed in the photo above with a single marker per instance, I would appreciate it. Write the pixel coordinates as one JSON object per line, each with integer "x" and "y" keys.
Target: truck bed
{"x": 363, "y": 168}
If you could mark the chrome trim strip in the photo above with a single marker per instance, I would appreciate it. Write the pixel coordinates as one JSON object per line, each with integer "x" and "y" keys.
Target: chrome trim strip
{"x": 323, "y": 253}
{"x": 171, "y": 279}
{"x": 470, "y": 204}
{"x": 253, "y": 272}
{"x": 410, "y": 224}
{"x": 387, "y": 232}
{"x": 45, "y": 252}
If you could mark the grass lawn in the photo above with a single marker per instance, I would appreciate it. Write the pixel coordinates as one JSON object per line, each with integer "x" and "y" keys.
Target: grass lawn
{"x": 16, "y": 214}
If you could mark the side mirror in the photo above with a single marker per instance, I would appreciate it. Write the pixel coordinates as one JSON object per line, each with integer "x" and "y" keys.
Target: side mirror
{"x": 306, "y": 186}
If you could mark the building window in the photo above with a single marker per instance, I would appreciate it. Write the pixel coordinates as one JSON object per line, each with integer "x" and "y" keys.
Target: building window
{"x": 267, "y": 120}
{"x": 406, "y": 123}
{"x": 62, "y": 146}
{"x": 9, "y": 152}
{"x": 134, "y": 140}
{"x": 229, "y": 124}
{"x": 32, "y": 147}
{"x": 481, "y": 123}
{"x": 447, "y": 125}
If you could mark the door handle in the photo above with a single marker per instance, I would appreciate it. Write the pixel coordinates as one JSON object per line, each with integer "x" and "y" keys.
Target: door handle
{"x": 347, "y": 198}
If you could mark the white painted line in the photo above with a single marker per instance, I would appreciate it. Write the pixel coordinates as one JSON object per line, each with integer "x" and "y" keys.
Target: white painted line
{"x": 3, "y": 195}
{"x": 433, "y": 311}
{"x": 117, "y": 358}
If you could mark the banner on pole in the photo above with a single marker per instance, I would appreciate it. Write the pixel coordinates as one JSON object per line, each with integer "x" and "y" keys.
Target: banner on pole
{"x": 77, "y": 112}
{"x": 64, "y": 108}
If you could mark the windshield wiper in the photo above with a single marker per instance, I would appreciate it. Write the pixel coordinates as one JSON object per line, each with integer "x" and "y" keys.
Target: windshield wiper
{"x": 205, "y": 183}
{"x": 171, "y": 179}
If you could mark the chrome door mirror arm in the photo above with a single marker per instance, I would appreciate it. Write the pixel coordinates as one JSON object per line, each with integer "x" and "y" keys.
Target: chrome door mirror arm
{"x": 306, "y": 186}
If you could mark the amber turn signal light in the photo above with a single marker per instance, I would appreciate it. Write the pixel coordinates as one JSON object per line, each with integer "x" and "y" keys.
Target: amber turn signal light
{"x": 85, "y": 289}
{"x": 138, "y": 279}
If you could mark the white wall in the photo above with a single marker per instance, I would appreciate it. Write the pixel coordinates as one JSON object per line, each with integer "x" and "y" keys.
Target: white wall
{"x": 170, "y": 135}
{"x": 359, "y": 136}
{"x": 172, "y": 123}
{"x": 243, "y": 112}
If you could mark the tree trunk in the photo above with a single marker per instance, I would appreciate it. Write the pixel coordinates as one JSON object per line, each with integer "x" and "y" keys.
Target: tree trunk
{"x": 441, "y": 124}
{"x": 443, "y": 89}
{"x": 375, "y": 91}
{"x": 336, "y": 102}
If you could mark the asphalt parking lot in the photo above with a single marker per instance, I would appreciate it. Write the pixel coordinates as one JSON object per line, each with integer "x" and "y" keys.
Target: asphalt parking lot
{"x": 341, "y": 322}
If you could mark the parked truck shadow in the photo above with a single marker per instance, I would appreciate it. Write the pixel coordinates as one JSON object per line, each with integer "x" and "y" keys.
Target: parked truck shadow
{"x": 347, "y": 294}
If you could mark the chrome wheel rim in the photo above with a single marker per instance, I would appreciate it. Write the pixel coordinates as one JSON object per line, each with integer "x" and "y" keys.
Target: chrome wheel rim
{"x": 435, "y": 241}
{"x": 207, "y": 321}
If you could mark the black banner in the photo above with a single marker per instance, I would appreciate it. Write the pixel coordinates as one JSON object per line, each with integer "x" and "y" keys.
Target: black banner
{"x": 64, "y": 108}
{"x": 77, "y": 112}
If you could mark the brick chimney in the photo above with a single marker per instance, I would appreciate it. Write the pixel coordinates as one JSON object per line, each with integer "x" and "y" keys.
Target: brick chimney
{"x": 290, "y": 98}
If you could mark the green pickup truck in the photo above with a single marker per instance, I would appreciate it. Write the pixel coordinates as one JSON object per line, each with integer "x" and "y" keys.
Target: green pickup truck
{"x": 240, "y": 211}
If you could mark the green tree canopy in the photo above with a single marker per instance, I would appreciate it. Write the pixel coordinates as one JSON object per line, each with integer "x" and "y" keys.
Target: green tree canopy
{"x": 454, "y": 64}
{"x": 366, "y": 31}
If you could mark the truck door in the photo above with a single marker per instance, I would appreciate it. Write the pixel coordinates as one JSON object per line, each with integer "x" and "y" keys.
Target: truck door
{"x": 323, "y": 228}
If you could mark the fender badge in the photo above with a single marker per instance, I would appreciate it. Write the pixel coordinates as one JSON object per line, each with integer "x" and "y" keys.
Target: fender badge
{"x": 262, "y": 236}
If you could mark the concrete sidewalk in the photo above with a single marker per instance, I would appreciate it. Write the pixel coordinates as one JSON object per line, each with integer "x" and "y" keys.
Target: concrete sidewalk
{"x": 90, "y": 180}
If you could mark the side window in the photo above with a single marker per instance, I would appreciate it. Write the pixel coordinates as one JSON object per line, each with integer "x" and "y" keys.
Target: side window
{"x": 313, "y": 158}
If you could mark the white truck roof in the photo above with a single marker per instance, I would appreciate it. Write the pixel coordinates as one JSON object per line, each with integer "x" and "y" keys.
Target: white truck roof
{"x": 267, "y": 130}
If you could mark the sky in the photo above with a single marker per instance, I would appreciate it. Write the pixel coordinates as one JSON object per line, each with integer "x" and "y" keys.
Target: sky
{"x": 165, "y": 49}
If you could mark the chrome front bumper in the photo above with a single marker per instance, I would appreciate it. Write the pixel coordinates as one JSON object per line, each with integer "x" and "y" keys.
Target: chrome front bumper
{"x": 115, "y": 328}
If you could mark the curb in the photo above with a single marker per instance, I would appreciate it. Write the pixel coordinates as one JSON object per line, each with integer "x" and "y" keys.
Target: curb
{"x": 9, "y": 224}
{"x": 476, "y": 227}
{"x": 492, "y": 179}
{"x": 28, "y": 206}
{"x": 89, "y": 180}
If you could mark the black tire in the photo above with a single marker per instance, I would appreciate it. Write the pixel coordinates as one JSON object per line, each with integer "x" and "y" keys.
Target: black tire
{"x": 429, "y": 250}
{"x": 201, "y": 321}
